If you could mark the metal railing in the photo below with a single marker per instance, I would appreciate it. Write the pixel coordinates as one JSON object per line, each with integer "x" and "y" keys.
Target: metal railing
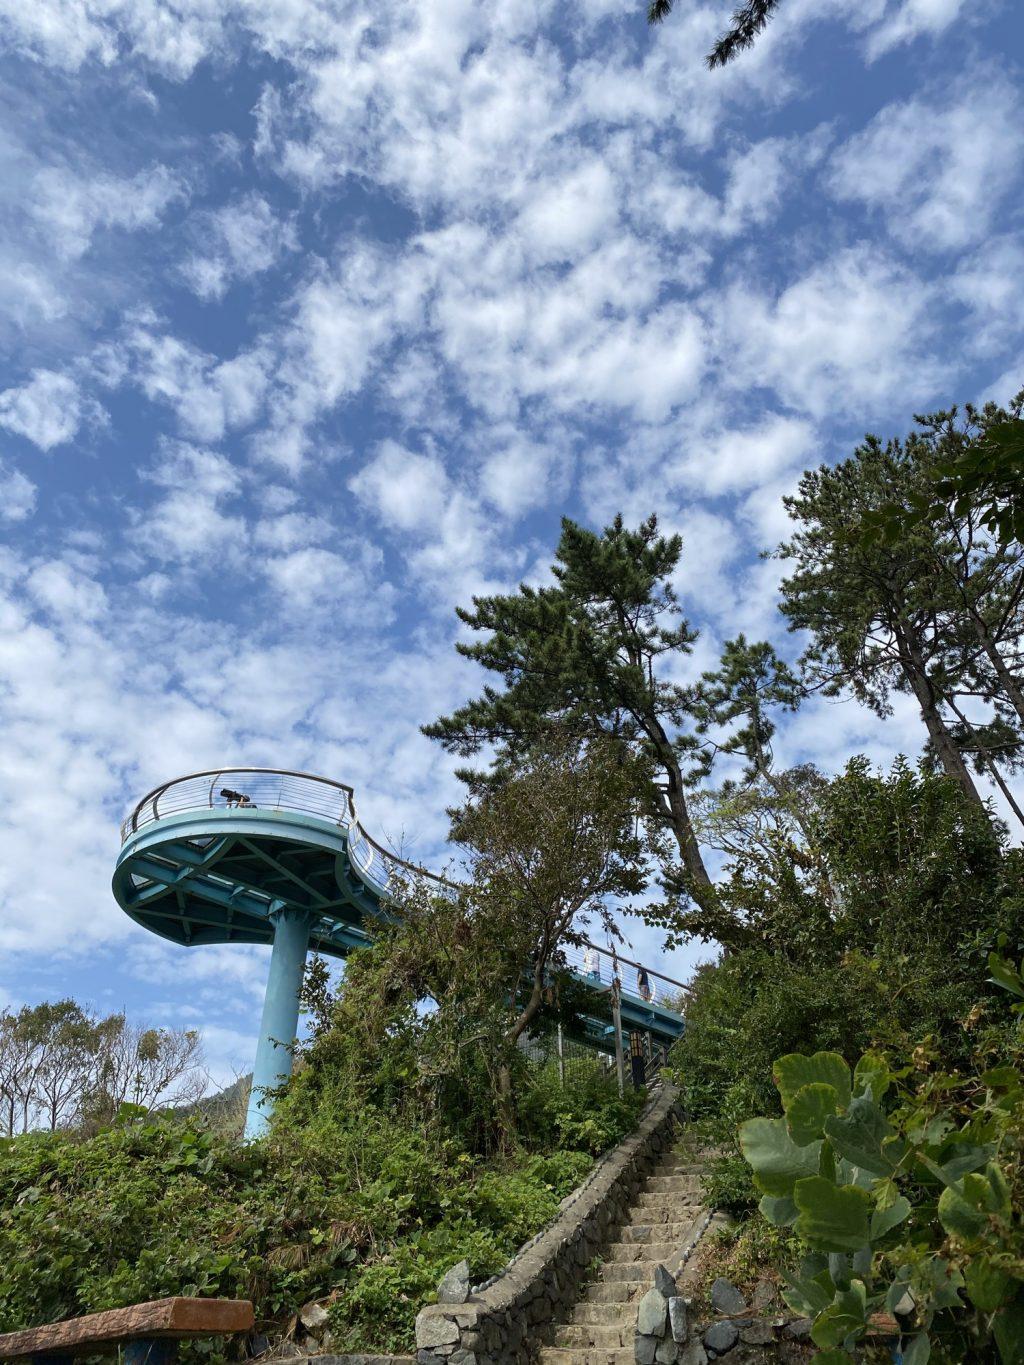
{"x": 281, "y": 789}
{"x": 274, "y": 789}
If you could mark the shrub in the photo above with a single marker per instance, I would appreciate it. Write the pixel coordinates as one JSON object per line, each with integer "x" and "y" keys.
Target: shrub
{"x": 917, "y": 1211}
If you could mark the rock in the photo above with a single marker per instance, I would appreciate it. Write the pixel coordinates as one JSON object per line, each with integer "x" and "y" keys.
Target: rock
{"x": 763, "y": 1296}
{"x": 677, "y": 1317}
{"x": 726, "y": 1298}
{"x": 644, "y": 1349}
{"x": 664, "y": 1282}
{"x": 314, "y": 1317}
{"x": 757, "y": 1333}
{"x": 798, "y": 1329}
{"x": 462, "y": 1358}
{"x": 652, "y": 1314}
{"x": 905, "y": 1306}
{"x": 667, "y": 1352}
{"x": 435, "y": 1331}
{"x": 454, "y": 1287}
{"x": 259, "y": 1344}
{"x": 693, "y": 1354}
{"x": 721, "y": 1336}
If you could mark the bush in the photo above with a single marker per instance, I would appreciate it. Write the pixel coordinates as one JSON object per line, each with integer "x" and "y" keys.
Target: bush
{"x": 344, "y": 1199}
{"x": 915, "y": 1210}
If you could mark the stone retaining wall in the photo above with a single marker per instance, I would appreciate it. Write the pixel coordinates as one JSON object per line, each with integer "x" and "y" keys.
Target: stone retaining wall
{"x": 501, "y": 1323}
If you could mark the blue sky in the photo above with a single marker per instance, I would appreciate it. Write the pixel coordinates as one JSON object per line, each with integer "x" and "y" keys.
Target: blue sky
{"x": 316, "y": 316}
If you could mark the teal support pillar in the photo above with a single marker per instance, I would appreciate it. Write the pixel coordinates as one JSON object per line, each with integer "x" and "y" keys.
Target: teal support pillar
{"x": 280, "y": 1022}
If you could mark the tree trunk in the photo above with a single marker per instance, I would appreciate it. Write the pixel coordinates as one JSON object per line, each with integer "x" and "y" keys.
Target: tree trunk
{"x": 1009, "y": 683}
{"x": 702, "y": 888}
{"x": 993, "y": 768}
{"x": 916, "y": 673}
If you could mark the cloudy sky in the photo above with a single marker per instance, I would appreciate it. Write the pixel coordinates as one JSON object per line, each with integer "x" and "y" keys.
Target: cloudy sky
{"x": 315, "y": 315}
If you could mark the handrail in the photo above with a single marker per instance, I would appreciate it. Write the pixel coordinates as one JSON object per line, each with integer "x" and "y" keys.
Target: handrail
{"x": 346, "y": 817}
{"x": 372, "y": 860}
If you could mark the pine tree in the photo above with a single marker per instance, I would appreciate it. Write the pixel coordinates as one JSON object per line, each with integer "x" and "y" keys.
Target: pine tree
{"x": 588, "y": 654}
{"x": 935, "y": 612}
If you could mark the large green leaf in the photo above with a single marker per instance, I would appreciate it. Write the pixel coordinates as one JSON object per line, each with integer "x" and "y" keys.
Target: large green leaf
{"x": 1006, "y": 975}
{"x": 987, "y": 1286}
{"x": 864, "y": 1138}
{"x": 884, "y": 1220}
{"x": 872, "y": 1074}
{"x": 1008, "y": 1329}
{"x": 960, "y": 1213}
{"x": 832, "y": 1217}
{"x": 843, "y": 1320}
{"x": 918, "y": 1350}
{"x": 780, "y": 1212}
{"x": 777, "y": 1162}
{"x": 808, "y": 1295}
{"x": 966, "y": 1206}
{"x": 794, "y": 1071}
{"x": 808, "y": 1109}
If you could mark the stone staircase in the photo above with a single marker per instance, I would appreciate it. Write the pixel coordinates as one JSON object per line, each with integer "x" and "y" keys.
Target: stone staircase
{"x": 600, "y": 1328}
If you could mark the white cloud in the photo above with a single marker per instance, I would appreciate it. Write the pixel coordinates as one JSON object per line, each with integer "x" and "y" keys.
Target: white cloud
{"x": 17, "y": 494}
{"x": 521, "y": 473}
{"x": 209, "y": 396}
{"x": 189, "y": 525}
{"x": 909, "y": 19}
{"x": 71, "y": 205}
{"x": 238, "y": 241}
{"x": 406, "y": 490}
{"x": 938, "y": 167}
{"x": 851, "y": 335}
{"x": 47, "y": 410}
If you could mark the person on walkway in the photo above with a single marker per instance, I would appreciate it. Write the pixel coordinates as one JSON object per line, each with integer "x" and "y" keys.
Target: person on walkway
{"x": 591, "y": 964}
{"x": 643, "y": 985}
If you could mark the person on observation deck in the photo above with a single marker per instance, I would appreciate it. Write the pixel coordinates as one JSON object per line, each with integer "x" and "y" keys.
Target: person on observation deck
{"x": 591, "y": 965}
{"x": 644, "y": 988}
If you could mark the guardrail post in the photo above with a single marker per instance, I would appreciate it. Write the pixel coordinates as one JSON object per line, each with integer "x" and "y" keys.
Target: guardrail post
{"x": 617, "y": 1027}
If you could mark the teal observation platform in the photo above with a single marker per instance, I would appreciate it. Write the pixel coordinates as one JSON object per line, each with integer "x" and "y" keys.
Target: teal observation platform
{"x": 261, "y": 855}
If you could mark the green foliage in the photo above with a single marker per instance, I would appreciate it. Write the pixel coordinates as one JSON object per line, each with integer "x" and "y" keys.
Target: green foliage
{"x": 362, "y": 1192}
{"x": 915, "y": 1209}
{"x": 593, "y": 654}
{"x": 984, "y": 472}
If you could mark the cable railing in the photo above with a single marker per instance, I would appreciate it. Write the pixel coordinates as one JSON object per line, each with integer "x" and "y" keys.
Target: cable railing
{"x": 266, "y": 789}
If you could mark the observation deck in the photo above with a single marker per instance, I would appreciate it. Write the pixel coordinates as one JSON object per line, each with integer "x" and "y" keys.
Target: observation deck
{"x": 263, "y": 855}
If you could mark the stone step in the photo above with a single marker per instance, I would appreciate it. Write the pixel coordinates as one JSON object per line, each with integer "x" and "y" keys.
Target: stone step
{"x": 655, "y": 1215}
{"x": 560, "y": 1355}
{"x": 618, "y": 1291}
{"x": 672, "y": 1184}
{"x": 658, "y": 1199}
{"x": 652, "y": 1252}
{"x": 617, "y": 1272}
{"x": 660, "y": 1232}
{"x": 608, "y": 1314}
{"x": 585, "y": 1334}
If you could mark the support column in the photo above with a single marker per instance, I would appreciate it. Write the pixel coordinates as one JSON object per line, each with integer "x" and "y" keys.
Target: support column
{"x": 280, "y": 1020}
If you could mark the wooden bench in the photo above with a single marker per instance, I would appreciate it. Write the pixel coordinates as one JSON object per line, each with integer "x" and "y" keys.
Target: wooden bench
{"x": 148, "y": 1332}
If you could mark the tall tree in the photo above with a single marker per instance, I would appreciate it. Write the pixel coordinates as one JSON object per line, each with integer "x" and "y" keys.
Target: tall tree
{"x": 593, "y": 654}
{"x": 877, "y": 622}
